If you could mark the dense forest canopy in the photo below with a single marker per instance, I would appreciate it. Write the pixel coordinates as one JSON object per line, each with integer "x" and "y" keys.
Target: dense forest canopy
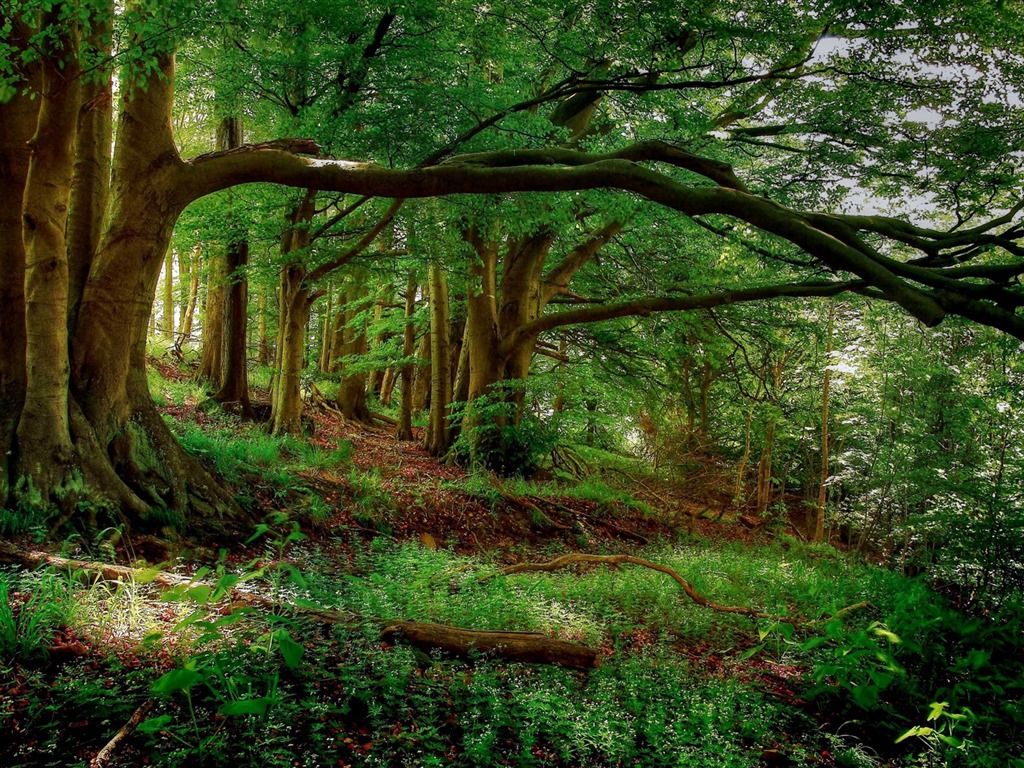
{"x": 544, "y": 173}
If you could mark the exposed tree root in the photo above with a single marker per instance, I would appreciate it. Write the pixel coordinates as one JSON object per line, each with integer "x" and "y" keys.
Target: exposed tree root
{"x": 527, "y": 647}
{"x": 566, "y": 560}
{"x": 384, "y": 419}
{"x": 104, "y": 755}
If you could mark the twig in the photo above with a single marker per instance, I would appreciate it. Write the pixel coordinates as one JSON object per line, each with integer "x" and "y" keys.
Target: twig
{"x": 104, "y": 755}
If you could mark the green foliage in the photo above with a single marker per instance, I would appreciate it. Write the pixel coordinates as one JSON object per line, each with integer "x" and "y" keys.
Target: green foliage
{"x": 498, "y": 436}
{"x": 32, "y": 608}
{"x": 371, "y": 498}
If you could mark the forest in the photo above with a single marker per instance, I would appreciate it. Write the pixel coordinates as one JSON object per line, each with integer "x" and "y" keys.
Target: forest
{"x": 576, "y": 383}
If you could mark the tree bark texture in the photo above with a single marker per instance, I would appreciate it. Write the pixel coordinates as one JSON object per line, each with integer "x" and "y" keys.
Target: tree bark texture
{"x": 408, "y": 348}
{"x": 436, "y": 440}
{"x": 350, "y": 340}
{"x": 18, "y": 119}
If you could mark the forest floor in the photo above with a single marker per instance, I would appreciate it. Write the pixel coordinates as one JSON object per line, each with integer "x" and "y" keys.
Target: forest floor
{"x": 271, "y": 652}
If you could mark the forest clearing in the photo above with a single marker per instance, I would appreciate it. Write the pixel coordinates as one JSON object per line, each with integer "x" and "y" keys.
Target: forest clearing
{"x": 597, "y": 383}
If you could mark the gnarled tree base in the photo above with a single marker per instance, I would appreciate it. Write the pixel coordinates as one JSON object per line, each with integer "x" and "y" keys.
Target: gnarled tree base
{"x": 136, "y": 476}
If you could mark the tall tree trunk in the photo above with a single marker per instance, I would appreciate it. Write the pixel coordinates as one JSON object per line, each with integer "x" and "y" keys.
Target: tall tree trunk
{"x": 234, "y": 390}
{"x": 460, "y": 387}
{"x": 211, "y": 360}
{"x": 188, "y": 316}
{"x": 387, "y": 386}
{"x": 91, "y": 184}
{"x": 295, "y": 301}
{"x": 167, "y": 319}
{"x": 559, "y": 402}
{"x": 351, "y": 397}
{"x": 764, "y": 469}
{"x": 436, "y": 440}
{"x": 327, "y": 333}
{"x": 408, "y": 348}
{"x": 375, "y": 378}
{"x": 126, "y": 454}
{"x": 707, "y": 379}
{"x": 17, "y": 125}
{"x": 44, "y": 437}
{"x": 295, "y": 305}
{"x": 421, "y": 383}
{"x": 234, "y": 382}
{"x": 263, "y": 340}
{"x": 819, "y": 523}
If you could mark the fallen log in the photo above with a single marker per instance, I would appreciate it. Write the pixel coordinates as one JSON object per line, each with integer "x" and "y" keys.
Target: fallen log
{"x": 527, "y": 647}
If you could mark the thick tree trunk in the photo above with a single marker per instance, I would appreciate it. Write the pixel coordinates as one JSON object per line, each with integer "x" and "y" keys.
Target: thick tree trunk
{"x": 460, "y": 385}
{"x": 375, "y": 378}
{"x": 482, "y": 319}
{"x": 44, "y": 436}
{"x": 387, "y": 386}
{"x": 234, "y": 390}
{"x": 421, "y": 376}
{"x": 92, "y": 178}
{"x": 295, "y": 304}
{"x": 234, "y": 381}
{"x": 350, "y": 339}
{"x": 436, "y": 440}
{"x": 17, "y": 126}
{"x": 211, "y": 360}
{"x": 126, "y": 454}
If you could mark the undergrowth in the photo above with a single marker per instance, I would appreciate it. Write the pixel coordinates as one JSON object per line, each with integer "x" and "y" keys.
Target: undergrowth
{"x": 678, "y": 684}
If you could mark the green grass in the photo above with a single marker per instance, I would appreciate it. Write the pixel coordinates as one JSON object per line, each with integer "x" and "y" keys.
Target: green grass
{"x": 32, "y": 608}
{"x": 238, "y": 450}
{"x": 168, "y": 392}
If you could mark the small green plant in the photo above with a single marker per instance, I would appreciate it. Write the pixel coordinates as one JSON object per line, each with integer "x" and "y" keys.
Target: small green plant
{"x": 944, "y": 727}
{"x": 498, "y": 436}
{"x": 371, "y": 498}
{"x": 31, "y": 610}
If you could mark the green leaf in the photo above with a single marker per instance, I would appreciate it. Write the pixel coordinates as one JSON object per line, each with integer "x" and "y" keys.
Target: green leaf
{"x": 290, "y": 650}
{"x": 938, "y": 707}
{"x": 146, "y": 576}
{"x": 917, "y": 730}
{"x": 866, "y": 696}
{"x": 813, "y": 643}
{"x": 200, "y": 594}
{"x": 176, "y": 680}
{"x": 154, "y": 724}
{"x": 189, "y": 620}
{"x": 246, "y": 707}
{"x": 752, "y": 652}
{"x": 892, "y": 637}
{"x": 261, "y": 529}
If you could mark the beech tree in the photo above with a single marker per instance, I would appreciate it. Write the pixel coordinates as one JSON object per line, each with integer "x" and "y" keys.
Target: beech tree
{"x": 79, "y": 422}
